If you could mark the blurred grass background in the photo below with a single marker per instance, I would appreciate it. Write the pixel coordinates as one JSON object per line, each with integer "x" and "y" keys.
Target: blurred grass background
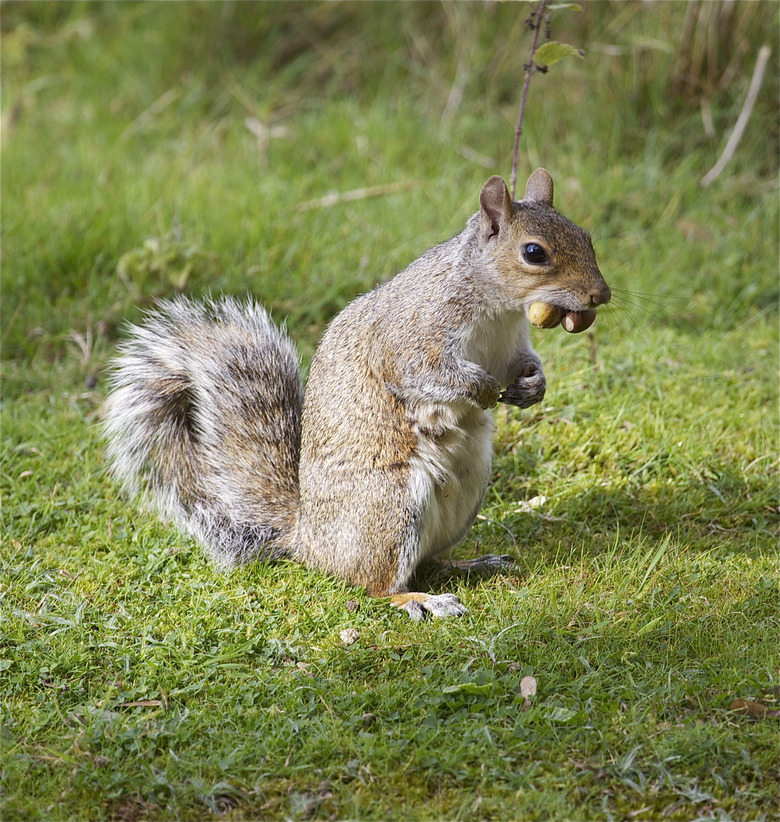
{"x": 127, "y": 121}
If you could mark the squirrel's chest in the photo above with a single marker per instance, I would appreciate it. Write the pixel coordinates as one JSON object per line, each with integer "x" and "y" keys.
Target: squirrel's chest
{"x": 495, "y": 344}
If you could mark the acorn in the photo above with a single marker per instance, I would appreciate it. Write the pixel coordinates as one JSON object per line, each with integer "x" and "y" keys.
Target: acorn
{"x": 544, "y": 315}
{"x": 576, "y": 321}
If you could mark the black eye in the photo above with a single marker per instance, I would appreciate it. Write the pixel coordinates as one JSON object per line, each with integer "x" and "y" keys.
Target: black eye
{"x": 534, "y": 254}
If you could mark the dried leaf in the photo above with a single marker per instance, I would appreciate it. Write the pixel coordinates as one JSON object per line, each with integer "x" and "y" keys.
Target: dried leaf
{"x": 756, "y": 710}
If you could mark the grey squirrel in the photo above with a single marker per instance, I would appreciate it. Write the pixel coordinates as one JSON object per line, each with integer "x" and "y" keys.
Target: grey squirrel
{"x": 383, "y": 463}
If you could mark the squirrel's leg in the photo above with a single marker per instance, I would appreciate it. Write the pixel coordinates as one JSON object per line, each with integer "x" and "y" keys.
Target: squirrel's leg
{"x": 453, "y": 380}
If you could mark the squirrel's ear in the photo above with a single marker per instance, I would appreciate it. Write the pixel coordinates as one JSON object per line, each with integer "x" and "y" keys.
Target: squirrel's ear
{"x": 496, "y": 205}
{"x": 539, "y": 188}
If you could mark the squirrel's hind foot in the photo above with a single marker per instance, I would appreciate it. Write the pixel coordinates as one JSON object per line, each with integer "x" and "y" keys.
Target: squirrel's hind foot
{"x": 487, "y": 564}
{"x": 419, "y": 606}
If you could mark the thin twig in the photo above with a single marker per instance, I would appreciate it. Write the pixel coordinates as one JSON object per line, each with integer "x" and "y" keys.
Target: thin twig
{"x": 500, "y": 525}
{"x": 146, "y": 116}
{"x": 456, "y": 94}
{"x": 744, "y": 116}
{"x": 529, "y": 72}
{"x": 356, "y": 194}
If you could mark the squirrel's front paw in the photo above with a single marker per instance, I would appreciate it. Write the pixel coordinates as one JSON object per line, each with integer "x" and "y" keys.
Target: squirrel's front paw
{"x": 489, "y": 393}
{"x": 418, "y": 606}
{"x": 527, "y": 389}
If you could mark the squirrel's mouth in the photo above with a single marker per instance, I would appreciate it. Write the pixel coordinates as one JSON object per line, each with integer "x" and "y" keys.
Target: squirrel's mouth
{"x": 546, "y": 315}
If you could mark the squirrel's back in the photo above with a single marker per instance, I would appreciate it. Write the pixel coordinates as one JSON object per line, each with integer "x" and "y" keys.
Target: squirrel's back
{"x": 192, "y": 387}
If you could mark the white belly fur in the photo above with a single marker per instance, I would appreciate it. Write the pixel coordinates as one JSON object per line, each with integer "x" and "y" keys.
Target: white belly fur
{"x": 448, "y": 479}
{"x": 498, "y": 345}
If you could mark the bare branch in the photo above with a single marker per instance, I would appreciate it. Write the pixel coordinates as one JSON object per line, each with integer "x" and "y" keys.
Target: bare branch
{"x": 530, "y": 70}
{"x": 744, "y": 116}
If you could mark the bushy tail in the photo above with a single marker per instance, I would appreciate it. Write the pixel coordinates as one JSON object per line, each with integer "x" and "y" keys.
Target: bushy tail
{"x": 204, "y": 419}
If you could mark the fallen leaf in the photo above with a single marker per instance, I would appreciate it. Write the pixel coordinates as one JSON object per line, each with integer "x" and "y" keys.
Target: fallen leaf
{"x": 527, "y": 690}
{"x": 755, "y": 710}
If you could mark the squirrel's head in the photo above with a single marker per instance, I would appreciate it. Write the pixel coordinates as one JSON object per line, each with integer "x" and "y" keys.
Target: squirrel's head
{"x": 541, "y": 255}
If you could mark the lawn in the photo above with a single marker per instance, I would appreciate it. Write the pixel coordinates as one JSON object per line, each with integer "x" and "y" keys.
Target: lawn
{"x": 150, "y": 149}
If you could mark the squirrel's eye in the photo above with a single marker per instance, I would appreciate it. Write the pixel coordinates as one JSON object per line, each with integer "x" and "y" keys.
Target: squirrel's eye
{"x": 534, "y": 254}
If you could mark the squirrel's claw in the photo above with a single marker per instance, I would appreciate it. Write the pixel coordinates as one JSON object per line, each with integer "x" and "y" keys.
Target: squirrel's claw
{"x": 414, "y": 609}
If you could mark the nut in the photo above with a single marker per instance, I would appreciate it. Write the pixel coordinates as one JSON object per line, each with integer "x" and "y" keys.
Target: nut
{"x": 544, "y": 315}
{"x": 576, "y": 321}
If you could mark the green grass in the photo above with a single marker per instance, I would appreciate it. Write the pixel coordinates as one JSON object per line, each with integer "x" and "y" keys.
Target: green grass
{"x": 640, "y": 499}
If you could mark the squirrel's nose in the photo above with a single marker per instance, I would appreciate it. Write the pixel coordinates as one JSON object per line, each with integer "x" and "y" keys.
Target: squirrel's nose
{"x": 600, "y": 295}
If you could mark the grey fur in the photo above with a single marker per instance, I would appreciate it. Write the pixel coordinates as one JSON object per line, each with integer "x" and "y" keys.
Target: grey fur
{"x": 207, "y": 399}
